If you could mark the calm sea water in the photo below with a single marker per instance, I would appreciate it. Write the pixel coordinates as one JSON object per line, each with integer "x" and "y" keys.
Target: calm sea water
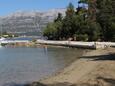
{"x": 24, "y": 38}
{"x": 21, "y": 65}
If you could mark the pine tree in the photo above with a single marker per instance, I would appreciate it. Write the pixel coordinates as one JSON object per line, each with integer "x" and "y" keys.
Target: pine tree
{"x": 67, "y": 29}
{"x": 59, "y": 17}
{"x": 105, "y": 17}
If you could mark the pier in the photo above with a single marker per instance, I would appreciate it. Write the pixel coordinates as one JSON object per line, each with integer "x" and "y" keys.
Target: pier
{"x": 14, "y": 41}
{"x": 79, "y": 44}
{"x": 74, "y": 44}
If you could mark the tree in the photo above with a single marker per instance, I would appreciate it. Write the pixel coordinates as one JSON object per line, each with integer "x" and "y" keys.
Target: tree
{"x": 68, "y": 21}
{"x": 50, "y": 31}
{"x": 84, "y": 2}
{"x": 105, "y": 17}
{"x": 70, "y": 10}
{"x": 91, "y": 12}
{"x": 53, "y": 30}
{"x": 93, "y": 24}
{"x": 59, "y": 17}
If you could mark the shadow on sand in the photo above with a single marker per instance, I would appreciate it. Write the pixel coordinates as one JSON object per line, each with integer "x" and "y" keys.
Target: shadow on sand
{"x": 39, "y": 84}
{"x": 100, "y": 81}
{"x": 56, "y": 84}
{"x": 110, "y": 57}
{"x": 110, "y": 81}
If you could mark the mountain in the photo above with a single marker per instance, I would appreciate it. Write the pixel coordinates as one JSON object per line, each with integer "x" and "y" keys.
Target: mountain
{"x": 28, "y": 22}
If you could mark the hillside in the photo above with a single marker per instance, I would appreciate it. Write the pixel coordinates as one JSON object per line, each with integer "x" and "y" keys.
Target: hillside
{"x": 29, "y": 22}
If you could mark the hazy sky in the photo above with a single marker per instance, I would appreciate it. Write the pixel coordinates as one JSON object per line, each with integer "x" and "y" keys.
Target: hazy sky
{"x": 8, "y": 6}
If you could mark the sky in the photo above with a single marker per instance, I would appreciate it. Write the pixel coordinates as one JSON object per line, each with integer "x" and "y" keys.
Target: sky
{"x": 10, "y": 6}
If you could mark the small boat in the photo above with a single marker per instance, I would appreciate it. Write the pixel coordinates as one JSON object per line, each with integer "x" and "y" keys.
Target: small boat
{"x": 1, "y": 41}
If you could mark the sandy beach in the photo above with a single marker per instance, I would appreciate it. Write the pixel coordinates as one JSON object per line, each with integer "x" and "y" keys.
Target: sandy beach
{"x": 94, "y": 68}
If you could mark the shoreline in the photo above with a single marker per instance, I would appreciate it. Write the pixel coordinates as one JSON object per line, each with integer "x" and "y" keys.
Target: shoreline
{"x": 78, "y": 44}
{"x": 45, "y": 43}
{"x": 84, "y": 71}
{"x": 66, "y": 67}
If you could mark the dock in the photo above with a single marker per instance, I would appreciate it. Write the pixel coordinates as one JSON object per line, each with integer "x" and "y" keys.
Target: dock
{"x": 14, "y": 41}
{"x": 79, "y": 44}
{"x": 74, "y": 44}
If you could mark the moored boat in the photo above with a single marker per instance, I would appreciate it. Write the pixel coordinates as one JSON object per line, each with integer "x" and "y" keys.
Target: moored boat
{"x": 1, "y": 41}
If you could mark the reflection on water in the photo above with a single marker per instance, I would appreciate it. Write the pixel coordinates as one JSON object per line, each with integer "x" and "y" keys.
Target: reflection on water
{"x": 21, "y": 65}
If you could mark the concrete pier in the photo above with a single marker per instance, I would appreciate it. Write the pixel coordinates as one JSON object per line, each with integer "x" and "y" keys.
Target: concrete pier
{"x": 79, "y": 44}
{"x": 76, "y": 44}
{"x": 14, "y": 41}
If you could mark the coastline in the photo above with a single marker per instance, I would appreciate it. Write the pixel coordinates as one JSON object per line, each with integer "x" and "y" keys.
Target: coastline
{"x": 78, "y": 44}
{"x": 94, "y": 68}
{"x": 45, "y": 43}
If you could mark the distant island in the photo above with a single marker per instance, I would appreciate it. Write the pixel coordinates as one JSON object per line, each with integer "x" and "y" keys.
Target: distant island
{"x": 28, "y": 22}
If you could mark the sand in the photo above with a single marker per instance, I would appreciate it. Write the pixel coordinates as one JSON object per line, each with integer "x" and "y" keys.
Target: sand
{"x": 94, "y": 68}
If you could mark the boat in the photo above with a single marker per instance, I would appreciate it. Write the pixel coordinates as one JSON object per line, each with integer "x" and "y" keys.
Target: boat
{"x": 2, "y": 39}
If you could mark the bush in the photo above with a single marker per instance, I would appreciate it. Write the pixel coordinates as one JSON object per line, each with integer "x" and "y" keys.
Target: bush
{"x": 82, "y": 37}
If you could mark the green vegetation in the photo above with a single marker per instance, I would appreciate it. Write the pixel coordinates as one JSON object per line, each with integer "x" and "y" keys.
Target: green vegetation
{"x": 96, "y": 22}
{"x": 7, "y": 35}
